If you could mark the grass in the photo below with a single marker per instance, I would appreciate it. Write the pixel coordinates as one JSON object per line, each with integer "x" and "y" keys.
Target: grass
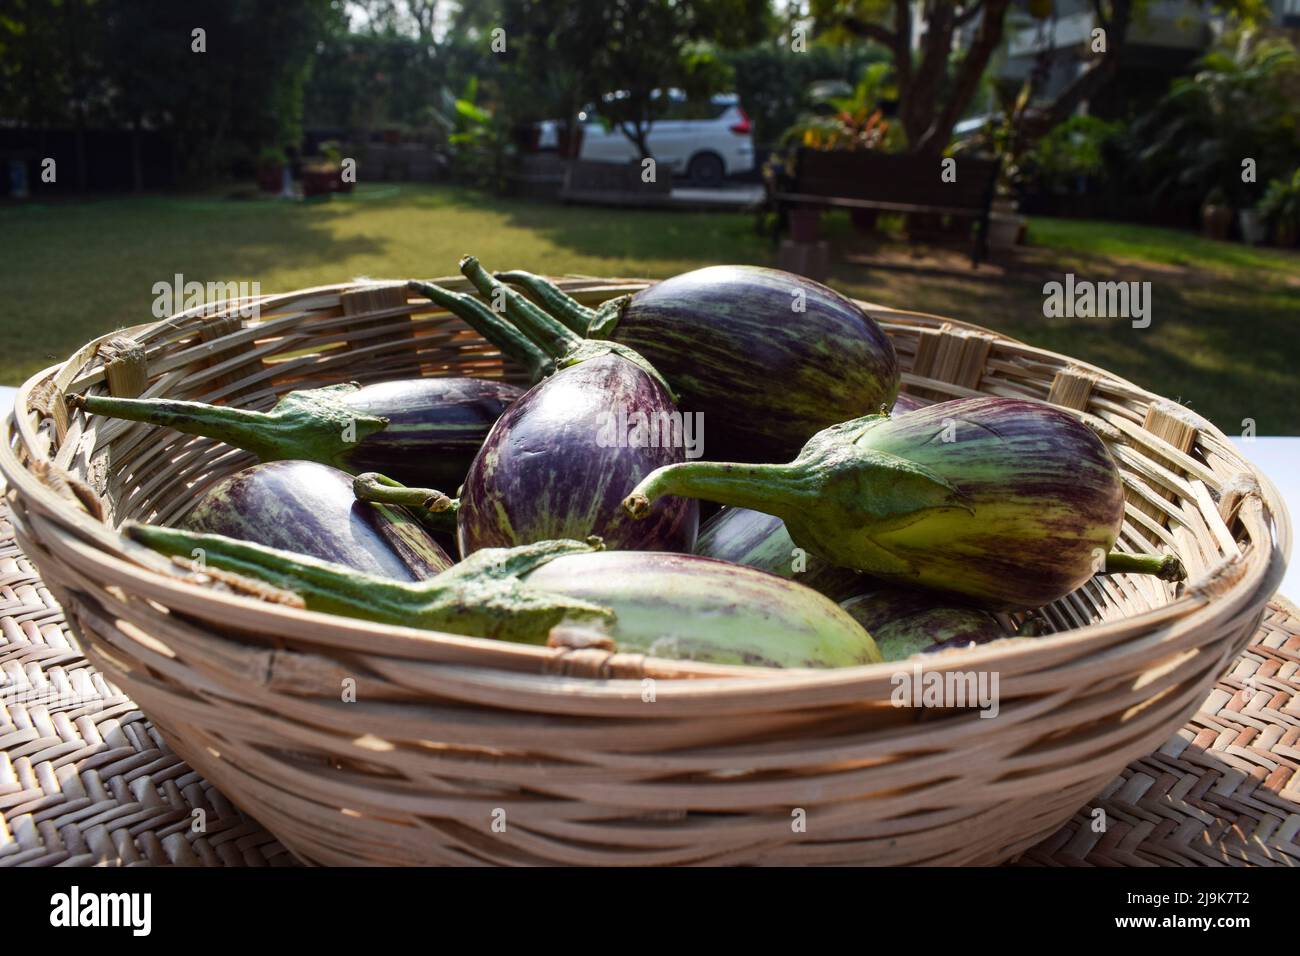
{"x": 1223, "y": 337}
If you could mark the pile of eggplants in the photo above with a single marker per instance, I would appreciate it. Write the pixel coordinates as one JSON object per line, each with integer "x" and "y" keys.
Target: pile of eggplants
{"x": 767, "y": 357}
{"x": 859, "y": 524}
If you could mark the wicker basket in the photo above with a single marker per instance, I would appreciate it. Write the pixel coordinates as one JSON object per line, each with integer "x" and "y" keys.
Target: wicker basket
{"x": 458, "y": 750}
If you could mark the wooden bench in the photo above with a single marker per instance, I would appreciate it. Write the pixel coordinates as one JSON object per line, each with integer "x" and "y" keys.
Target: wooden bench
{"x": 892, "y": 182}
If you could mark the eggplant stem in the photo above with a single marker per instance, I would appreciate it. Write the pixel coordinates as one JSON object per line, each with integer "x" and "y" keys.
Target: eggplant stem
{"x": 434, "y": 509}
{"x": 307, "y": 425}
{"x": 739, "y": 485}
{"x": 234, "y": 426}
{"x": 1166, "y": 567}
{"x": 483, "y": 596}
{"x": 504, "y": 335}
{"x": 551, "y": 335}
{"x": 576, "y": 316}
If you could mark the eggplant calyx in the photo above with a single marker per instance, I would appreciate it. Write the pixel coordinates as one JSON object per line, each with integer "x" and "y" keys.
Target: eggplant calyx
{"x": 308, "y": 425}
{"x": 483, "y": 596}
{"x": 588, "y": 349}
{"x": 607, "y": 317}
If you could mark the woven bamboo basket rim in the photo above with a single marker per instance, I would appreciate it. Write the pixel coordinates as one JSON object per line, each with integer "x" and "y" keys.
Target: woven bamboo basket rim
{"x": 124, "y": 563}
{"x": 62, "y": 804}
{"x": 563, "y": 739}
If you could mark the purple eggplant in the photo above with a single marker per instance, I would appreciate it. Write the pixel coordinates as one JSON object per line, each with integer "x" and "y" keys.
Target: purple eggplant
{"x": 758, "y": 540}
{"x": 418, "y": 431}
{"x": 558, "y": 462}
{"x": 1008, "y": 502}
{"x": 553, "y": 467}
{"x": 767, "y": 357}
{"x": 907, "y": 621}
{"x": 309, "y": 508}
{"x": 667, "y": 605}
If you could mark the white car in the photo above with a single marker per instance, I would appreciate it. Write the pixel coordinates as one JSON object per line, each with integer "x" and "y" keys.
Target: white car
{"x": 706, "y": 142}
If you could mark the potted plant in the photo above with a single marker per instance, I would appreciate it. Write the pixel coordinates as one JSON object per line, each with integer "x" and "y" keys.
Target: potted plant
{"x": 270, "y": 169}
{"x": 1280, "y": 209}
{"x": 334, "y": 157}
{"x": 1216, "y": 214}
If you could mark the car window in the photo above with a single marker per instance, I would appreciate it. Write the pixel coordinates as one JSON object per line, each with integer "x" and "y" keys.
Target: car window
{"x": 694, "y": 110}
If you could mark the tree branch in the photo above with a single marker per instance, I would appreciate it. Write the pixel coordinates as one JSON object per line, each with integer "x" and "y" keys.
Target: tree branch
{"x": 968, "y": 12}
{"x": 987, "y": 39}
{"x": 869, "y": 31}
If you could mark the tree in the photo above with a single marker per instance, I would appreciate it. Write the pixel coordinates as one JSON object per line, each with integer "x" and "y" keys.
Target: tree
{"x": 935, "y": 88}
{"x": 630, "y": 48}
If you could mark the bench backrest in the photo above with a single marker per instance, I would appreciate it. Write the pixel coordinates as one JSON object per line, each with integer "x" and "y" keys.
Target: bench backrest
{"x": 894, "y": 177}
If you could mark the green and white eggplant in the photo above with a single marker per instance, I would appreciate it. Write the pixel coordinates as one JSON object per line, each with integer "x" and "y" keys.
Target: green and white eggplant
{"x": 668, "y": 605}
{"x": 907, "y": 621}
{"x": 1009, "y": 502}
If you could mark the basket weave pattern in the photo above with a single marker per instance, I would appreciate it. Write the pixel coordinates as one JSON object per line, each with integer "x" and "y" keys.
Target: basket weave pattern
{"x": 457, "y": 750}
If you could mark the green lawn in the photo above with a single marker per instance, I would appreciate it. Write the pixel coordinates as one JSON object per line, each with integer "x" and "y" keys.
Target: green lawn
{"x": 1223, "y": 337}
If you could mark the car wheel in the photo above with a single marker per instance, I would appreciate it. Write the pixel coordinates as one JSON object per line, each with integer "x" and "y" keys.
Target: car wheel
{"x": 706, "y": 169}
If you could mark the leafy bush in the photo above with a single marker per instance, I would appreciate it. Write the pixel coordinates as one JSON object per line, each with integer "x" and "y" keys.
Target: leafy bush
{"x": 1234, "y": 107}
{"x": 1281, "y": 203}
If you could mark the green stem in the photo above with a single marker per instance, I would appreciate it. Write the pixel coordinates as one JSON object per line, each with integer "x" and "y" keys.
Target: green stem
{"x": 252, "y": 431}
{"x": 608, "y": 315}
{"x": 483, "y": 596}
{"x": 554, "y": 337}
{"x": 758, "y": 487}
{"x": 553, "y": 299}
{"x": 1166, "y": 567}
{"x": 501, "y": 333}
{"x": 433, "y": 508}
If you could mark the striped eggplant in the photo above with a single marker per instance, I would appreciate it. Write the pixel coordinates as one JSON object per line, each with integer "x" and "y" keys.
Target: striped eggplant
{"x": 418, "y": 431}
{"x": 907, "y": 621}
{"x": 558, "y": 462}
{"x": 906, "y": 403}
{"x": 767, "y": 357}
{"x": 759, "y": 540}
{"x": 309, "y": 508}
{"x": 1009, "y": 502}
{"x": 669, "y": 605}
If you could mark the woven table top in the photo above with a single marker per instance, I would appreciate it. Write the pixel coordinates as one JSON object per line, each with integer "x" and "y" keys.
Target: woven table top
{"x": 86, "y": 779}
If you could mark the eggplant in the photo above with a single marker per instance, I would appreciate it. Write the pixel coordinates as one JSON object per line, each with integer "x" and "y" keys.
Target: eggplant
{"x": 1009, "y": 502}
{"x": 906, "y": 403}
{"x": 418, "y": 431}
{"x": 669, "y": 605}
{"x": 309, "y": 508}
{"x": 906, "y": 622}
{"x": 558, "y": 462}
{"x": 759, "y": 540}
{"x": 766, "y": 356}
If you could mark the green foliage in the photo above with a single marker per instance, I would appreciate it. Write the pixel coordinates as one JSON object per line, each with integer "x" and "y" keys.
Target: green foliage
{"x": 1281, "y": 203}
{"x": 775, "y": 83}
{"x": 1077, "y": 147}
{"x": 132, "y": 63}
{"x": 853, "y": 122}
{"x": 1234, "y": 107}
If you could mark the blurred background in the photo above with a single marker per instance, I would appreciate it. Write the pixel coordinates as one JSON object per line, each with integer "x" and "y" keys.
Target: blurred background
{"x": 301, "y": 142}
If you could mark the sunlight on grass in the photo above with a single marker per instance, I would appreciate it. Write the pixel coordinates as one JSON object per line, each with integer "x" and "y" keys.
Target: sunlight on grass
{"x": 1223, "y": 335}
